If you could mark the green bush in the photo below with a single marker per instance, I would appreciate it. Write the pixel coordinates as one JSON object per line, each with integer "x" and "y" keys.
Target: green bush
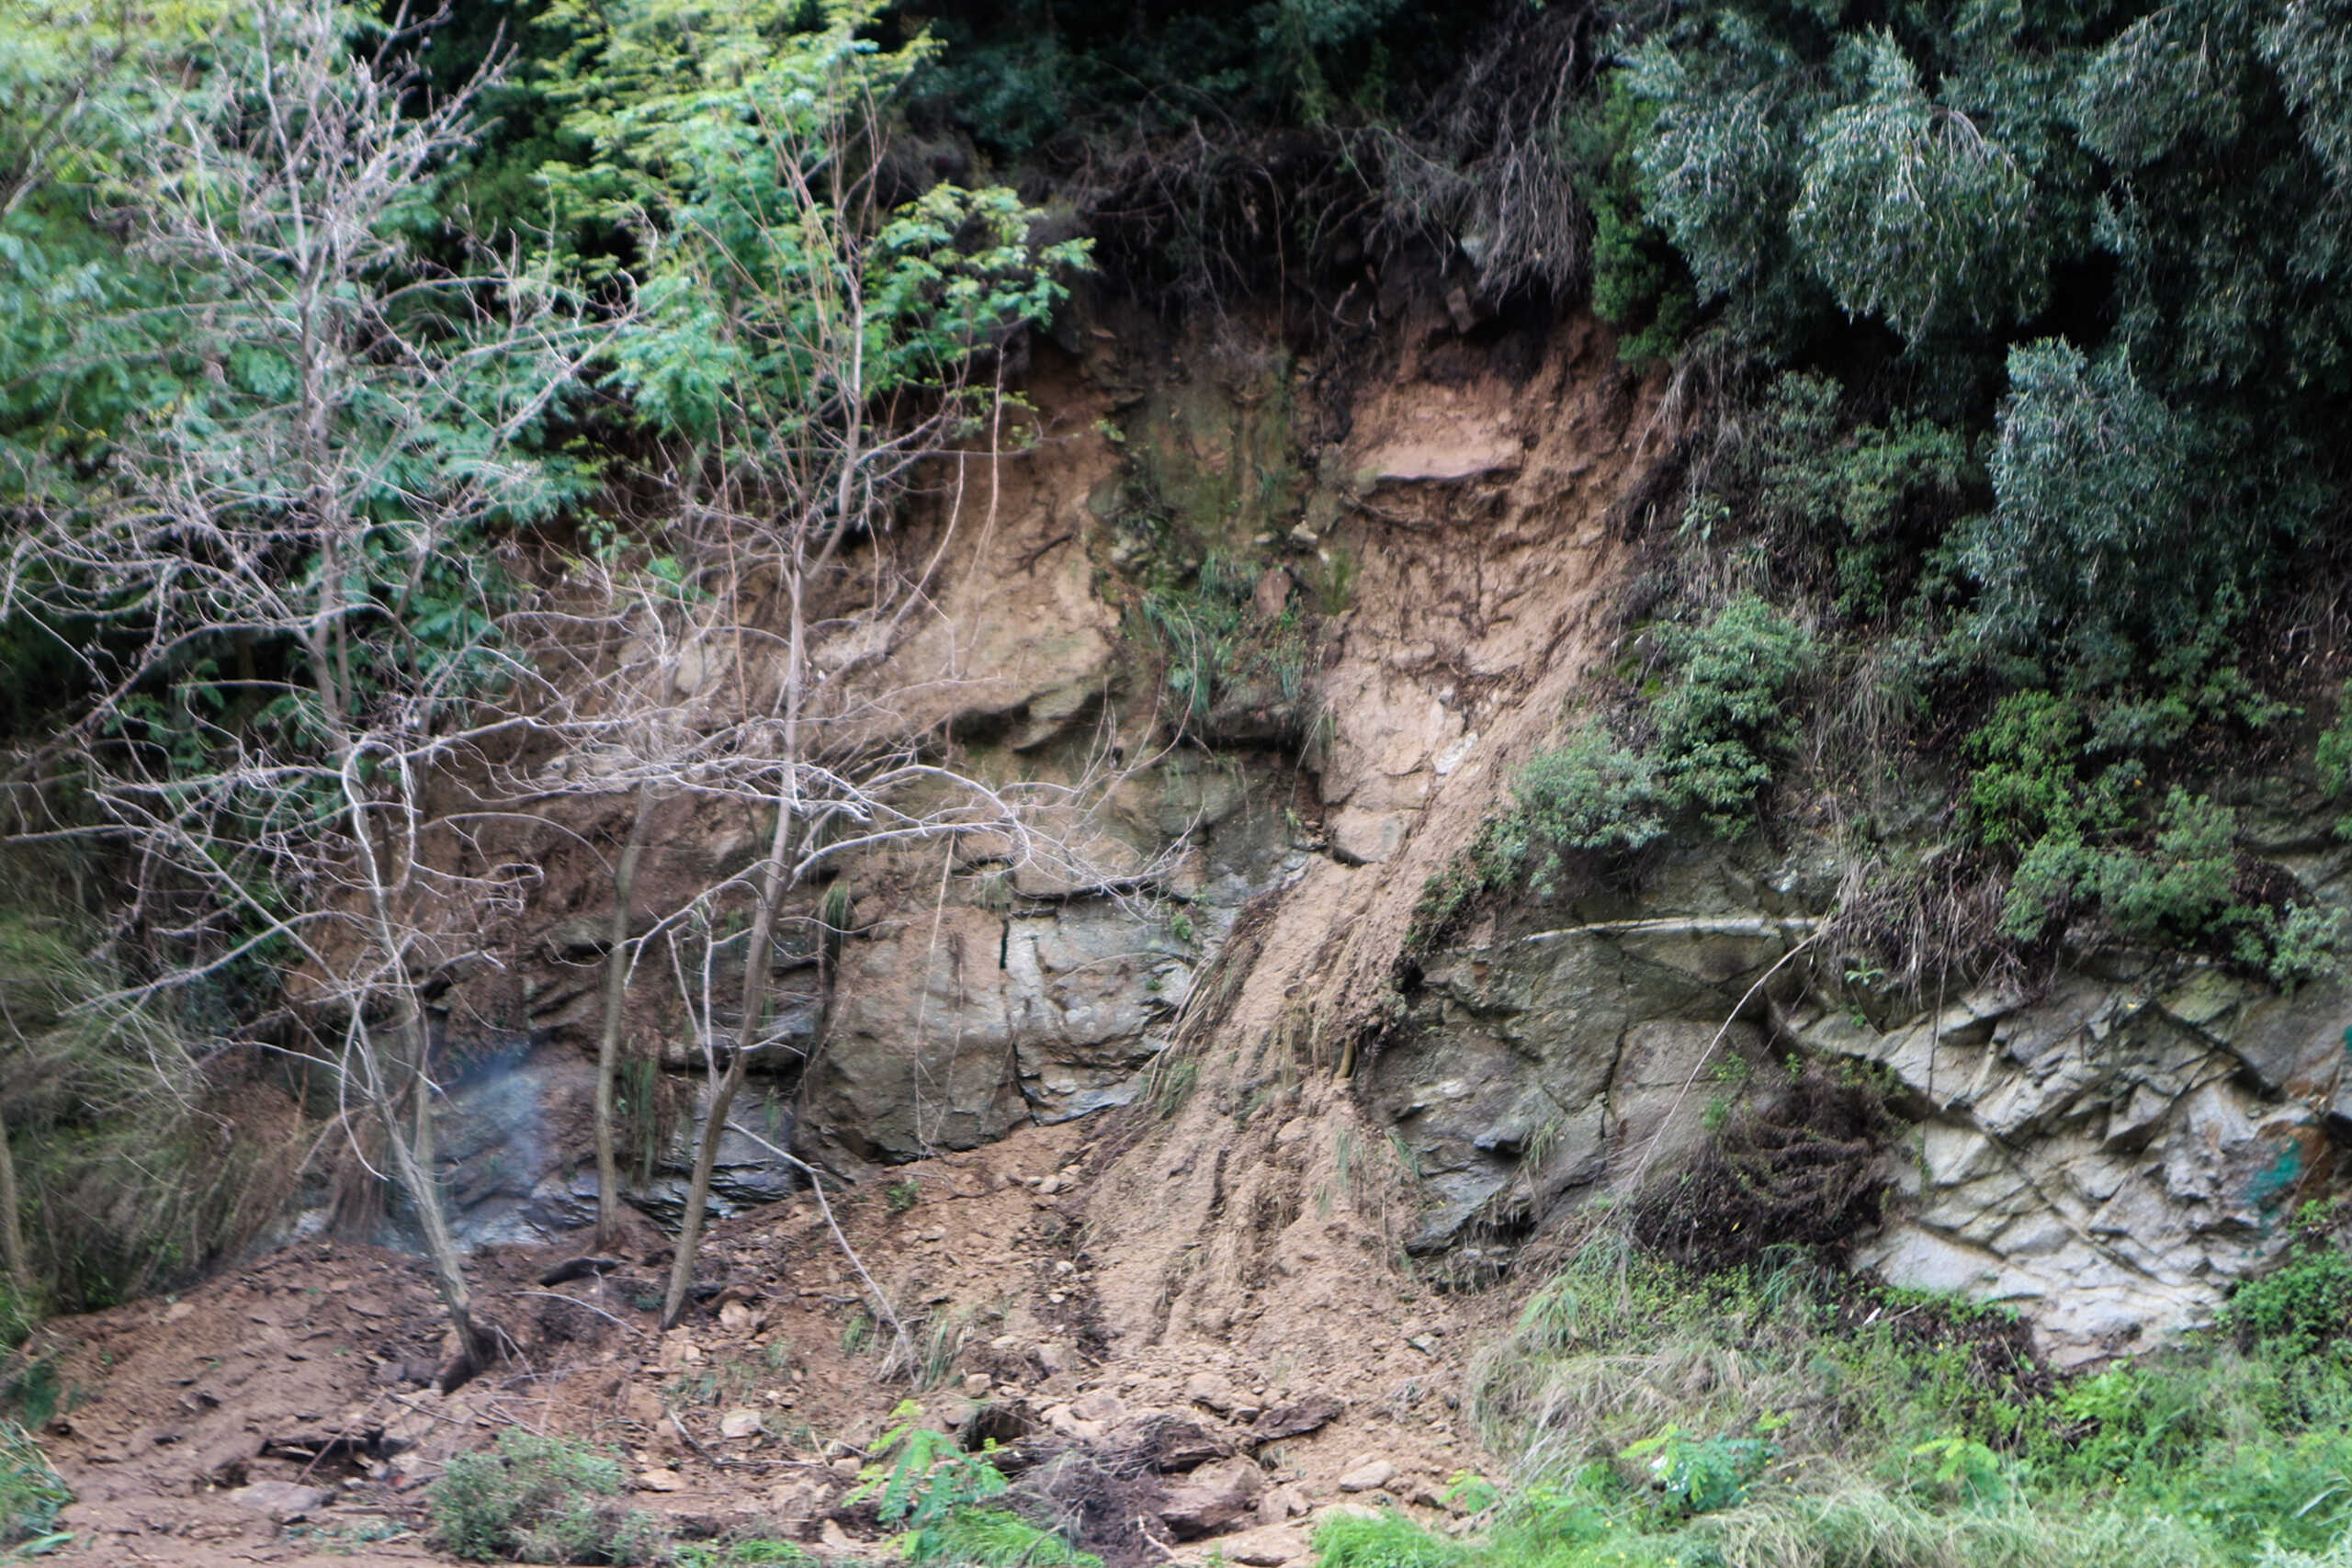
{"x": 2050, "y": 787}
{"x": 1873, "y": 495}
{"x": 1639, "y": 284}
{"x": 1591, "y": 793}
{"x": 1727, "y": 715}
{"x": 2303, "y": 1304}
{"x": 2124, "y": 532}
{"x": 1699, "y": 1475}
{"x": 539, "y": 1500}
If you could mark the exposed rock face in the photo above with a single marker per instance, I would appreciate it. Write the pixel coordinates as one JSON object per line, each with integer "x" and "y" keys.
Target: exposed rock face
{"x": 2111, "y": 1155}
{"x": 2108, "y": 1155}
{"x": 965, "y": 1022}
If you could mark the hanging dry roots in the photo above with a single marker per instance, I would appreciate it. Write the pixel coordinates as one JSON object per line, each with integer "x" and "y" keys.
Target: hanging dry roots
{"x": 1802, "y": 1167}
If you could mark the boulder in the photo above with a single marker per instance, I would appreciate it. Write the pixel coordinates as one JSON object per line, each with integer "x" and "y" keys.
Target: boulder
{"x": 1213, "y": 1498}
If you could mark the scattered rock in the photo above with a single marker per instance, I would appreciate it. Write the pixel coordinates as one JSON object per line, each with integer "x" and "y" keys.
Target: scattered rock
{"x": 1062, "y": 1419}
{"x": 1296, "y": 1418}
{"x": 1172, "y": 1443}
{"x": 1213, "y": 1498}
{"x": 661, "y": 1478}
{"x": 739, "y": 1423}
{"x": 1210, "y": 1390}
{"x": 1368, "y": 1477}
{"x": 1100, "y": 1406}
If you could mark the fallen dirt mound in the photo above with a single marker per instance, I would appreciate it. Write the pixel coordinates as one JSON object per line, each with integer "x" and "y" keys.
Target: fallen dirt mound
{"x": 288, "y": 1409}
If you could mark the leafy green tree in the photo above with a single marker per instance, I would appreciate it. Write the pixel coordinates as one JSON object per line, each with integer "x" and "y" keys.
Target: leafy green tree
{"x": 2123, "y": 531}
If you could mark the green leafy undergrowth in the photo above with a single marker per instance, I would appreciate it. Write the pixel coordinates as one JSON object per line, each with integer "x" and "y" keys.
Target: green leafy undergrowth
{"x": 2061, "y": 782}
{"x": 1873, "y": 496}
{"x": 953, "y": 1506}
{"x": 538, "y": 1499}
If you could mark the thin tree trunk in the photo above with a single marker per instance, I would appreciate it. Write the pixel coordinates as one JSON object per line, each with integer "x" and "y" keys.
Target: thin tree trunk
{"x": 608, "y": 1045}
{"x": 475, "y": 1348}
{"x": 410, "y": 1148}
{"x": 16, "y": 1267}
{"x": 757, "y": 961}
{"x": 756, "y": 964}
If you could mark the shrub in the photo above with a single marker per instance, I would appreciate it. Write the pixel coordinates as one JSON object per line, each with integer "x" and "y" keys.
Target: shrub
{"x": 1699, "y": 1475}
{"x": 2041, "y": 790}
{"x": 1874, "y": 496}
{"x": 951, "y": 1503}
{"x": 540, "y": 1500}
{"x": 2124, "y": 532}
{"x": 1592, "y": 794}
{"x": 1639, "y": 284}
{"x": 1726, "y": 713}
{"x": 2303, "y": 1303}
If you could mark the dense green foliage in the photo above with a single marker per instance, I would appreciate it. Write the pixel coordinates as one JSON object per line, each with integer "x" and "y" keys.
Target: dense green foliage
{"x": 30, "y": 1492}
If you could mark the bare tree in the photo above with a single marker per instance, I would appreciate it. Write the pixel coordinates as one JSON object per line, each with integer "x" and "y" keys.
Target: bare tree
{"x": 808, "y": 356}
{"x": 290, "y": 559}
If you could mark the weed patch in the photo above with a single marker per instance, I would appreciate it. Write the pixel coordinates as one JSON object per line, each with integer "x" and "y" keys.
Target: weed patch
{"x": 540, "y": 1500}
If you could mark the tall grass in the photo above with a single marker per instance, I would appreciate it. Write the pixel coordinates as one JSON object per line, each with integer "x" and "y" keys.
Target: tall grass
{"x": 1782, "y": 1416}
{"x": 133, "y": 1166}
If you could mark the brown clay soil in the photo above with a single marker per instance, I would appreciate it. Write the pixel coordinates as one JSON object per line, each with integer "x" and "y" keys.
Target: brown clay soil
{"x": 284, "y": 1412}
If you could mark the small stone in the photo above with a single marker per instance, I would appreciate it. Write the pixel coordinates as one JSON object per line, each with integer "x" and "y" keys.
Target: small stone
{"x": 1049, "y": 1186}
{"x": 737, "y": 1318}
{"x": 835, "y": 1538}
{"x": 739, "y": 1423}
{"x": 1368, "y": 1477}
{"x": 661, "y": 1479}
{"x": 280, "y": 1499}
{"x": 976, "y": 1385}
